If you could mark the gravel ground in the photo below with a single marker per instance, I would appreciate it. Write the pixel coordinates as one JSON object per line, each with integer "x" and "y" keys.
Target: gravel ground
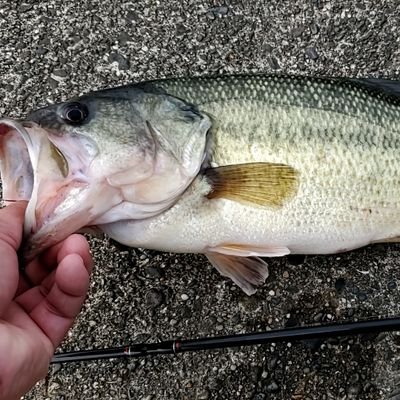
{"x": 53, "y": 49}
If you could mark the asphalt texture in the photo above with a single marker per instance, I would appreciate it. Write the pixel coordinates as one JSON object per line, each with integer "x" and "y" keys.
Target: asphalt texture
{"x": 54, "y": 49}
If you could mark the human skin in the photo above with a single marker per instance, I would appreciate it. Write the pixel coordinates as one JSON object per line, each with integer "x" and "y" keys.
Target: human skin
{"x": 36, "y": 310}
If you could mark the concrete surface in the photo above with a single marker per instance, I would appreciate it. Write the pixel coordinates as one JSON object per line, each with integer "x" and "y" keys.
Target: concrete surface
{"x": 54, "y": 49}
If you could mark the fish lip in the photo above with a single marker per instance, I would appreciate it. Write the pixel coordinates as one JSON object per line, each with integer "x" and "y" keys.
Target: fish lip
{"x": 18, "y": 125}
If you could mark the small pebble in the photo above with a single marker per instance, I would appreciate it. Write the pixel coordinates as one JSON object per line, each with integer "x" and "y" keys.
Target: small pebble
{"x": 235, "y": 320}
{"x": 264, "y": 375}
{"x": 54, "y": 386}
{"x": 392, "y": 285}
{"x": 61, "y": 73}
{"x": 53, "y": 83}
{"x": 267, "y": 47}
{"x": 311, "y": 53}
{"x": 272, "y": 387}
{"x": 131, "y": 16}
{"x": 153, "y": 272}
{"x": 285, "y": 274}
{"x": 210, "y": 15}
{"x": 297, "y": 32}
{"x": 219, "y": 11}
{"x": 25, "y": 7}
{"x": 122, "y": 62}
{"x": 314, "y": 28}
{"x": 58, "y": 76}
{"x": 271, "y": 293}
{"x": 184, "y": 297}
{"x": 154, "y": 298}
{"x": 273, "y": 62}
{"x": 272, "y": 362}
{"x": 318, "y": 317}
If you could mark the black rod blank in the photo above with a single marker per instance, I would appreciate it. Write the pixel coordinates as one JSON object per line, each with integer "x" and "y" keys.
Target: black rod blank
{"x": 219, "y": 342}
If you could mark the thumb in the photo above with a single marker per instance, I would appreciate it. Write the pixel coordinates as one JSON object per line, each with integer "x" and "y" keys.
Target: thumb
{"x": 11, "y": 223}
{"x": 11, "y": 226}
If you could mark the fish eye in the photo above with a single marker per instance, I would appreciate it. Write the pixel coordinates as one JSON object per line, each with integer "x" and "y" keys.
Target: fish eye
{"x": 75, "y": 113}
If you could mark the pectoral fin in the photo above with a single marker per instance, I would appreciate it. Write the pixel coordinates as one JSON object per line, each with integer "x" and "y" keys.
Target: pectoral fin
{"x": 265, "y": 184}
{"x": 246, "y": 272}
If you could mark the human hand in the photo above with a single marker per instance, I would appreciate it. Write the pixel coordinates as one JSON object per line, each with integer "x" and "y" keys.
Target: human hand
{"x": 35, "y": 316}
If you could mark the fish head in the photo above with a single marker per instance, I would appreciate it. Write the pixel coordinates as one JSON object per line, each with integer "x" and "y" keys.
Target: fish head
{"x": 125, "y": 153}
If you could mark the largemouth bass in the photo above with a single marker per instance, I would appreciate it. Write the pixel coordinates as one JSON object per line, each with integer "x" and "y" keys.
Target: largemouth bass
{"x": 236, "y": 167}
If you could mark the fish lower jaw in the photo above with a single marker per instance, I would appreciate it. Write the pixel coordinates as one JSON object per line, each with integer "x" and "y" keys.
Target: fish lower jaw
{"x": 71, "y": 208}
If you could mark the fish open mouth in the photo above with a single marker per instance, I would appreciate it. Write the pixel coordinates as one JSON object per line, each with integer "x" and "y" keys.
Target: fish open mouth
{"x": 15, "y": 164}
{"x": 51, "y": 172}
{"x": 32, "y": 168}
{"x": 29, "y": 160}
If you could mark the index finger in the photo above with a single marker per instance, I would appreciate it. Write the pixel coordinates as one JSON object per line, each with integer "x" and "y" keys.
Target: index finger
{"x": 11, "y": 226}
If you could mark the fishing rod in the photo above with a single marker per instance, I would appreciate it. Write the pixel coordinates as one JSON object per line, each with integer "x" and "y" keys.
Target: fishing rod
{"x": 219, "y": 342}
